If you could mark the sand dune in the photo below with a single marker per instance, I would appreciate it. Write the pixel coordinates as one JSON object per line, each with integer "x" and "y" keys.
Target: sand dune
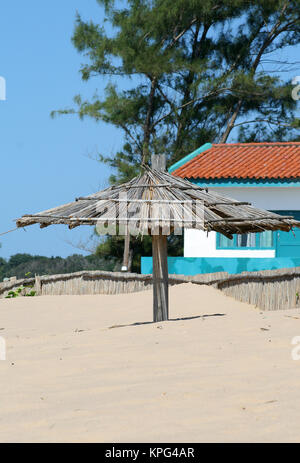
{"x": 218, "y": 371}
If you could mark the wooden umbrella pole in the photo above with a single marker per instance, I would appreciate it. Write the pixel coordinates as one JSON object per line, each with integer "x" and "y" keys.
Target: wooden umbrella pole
{"x": 125, "y": 265}
{"x": 160, "y": 261}
{"x": 160, "y": 278}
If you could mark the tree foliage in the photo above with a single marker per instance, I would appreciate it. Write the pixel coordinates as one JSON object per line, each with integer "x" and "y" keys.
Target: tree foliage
{"x": 180, "y": 73}
{"x": 140, "y": 246}
{"x": 193, "y": 71}
{"x": 20, "y": 264}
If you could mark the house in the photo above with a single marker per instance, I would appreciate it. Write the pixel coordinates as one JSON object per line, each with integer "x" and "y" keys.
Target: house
{"x": 265, "y": 174}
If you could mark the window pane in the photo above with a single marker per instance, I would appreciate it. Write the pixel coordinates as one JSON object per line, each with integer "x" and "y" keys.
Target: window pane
{"x": 266, "y": 239}
{"x": 225, "y": 242}
{"x": 247, "y": 240}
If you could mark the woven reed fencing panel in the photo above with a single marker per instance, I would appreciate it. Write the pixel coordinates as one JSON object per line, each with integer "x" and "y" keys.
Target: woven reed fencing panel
{"x": 268, "y": 289}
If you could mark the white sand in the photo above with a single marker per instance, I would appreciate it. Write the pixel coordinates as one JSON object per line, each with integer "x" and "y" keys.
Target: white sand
{"x": 218, "y": 377}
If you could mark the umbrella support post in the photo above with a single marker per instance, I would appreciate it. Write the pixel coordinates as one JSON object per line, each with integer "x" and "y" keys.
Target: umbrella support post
{"x": 160, "y": 278}
{"x": 125, "y": 265}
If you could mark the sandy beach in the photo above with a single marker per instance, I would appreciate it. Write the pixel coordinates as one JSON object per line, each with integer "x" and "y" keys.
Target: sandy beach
{"x": 95, "y": 369}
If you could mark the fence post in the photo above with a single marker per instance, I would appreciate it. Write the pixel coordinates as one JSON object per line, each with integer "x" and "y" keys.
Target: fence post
{"x": 38, "y": 285}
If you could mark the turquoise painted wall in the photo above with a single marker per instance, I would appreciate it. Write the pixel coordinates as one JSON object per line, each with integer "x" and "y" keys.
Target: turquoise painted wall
{"x": 288, "y": 243}
{"x": 196, "y": 265}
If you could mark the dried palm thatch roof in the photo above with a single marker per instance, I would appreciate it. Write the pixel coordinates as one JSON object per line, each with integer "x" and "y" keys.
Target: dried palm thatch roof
{"x": 157, "y": 199}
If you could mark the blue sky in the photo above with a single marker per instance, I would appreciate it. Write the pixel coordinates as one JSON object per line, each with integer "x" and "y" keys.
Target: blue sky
{"x": 45, "y": 162}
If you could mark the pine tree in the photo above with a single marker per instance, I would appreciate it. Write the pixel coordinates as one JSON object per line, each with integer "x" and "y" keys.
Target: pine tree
{"x": 197, "y": 74}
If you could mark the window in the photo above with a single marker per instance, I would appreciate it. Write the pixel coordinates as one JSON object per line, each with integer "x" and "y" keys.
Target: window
{"x": 266, "y": 239}
{"x": 223, "y": 241}
{"x": 262, "y": 240}
{"x": 247, "y": 240}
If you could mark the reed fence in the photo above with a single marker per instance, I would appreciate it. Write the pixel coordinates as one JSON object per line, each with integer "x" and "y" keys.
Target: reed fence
{"x": 268, "y": 289}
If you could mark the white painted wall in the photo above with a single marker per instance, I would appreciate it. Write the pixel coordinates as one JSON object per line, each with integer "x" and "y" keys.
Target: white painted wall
{"x": 270, "y": 198}
{"x": 200, "y": 244}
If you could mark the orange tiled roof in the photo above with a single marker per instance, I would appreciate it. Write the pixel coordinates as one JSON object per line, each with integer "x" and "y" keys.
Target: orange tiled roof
{"x": 245, "y": 160}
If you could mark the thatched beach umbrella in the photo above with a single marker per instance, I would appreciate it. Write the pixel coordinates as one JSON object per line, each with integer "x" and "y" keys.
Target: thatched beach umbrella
{"x": 159, "y": 204}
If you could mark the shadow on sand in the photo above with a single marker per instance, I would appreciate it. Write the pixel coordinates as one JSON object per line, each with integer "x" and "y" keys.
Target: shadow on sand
{"x": 170, "y": 320}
